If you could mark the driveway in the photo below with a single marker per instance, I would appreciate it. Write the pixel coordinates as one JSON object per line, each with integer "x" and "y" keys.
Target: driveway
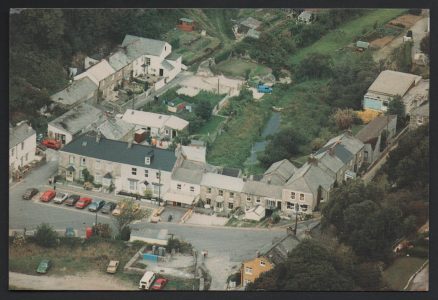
{"x": 176, "y": 212}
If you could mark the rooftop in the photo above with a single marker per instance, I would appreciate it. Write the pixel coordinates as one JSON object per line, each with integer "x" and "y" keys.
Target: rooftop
{"x": 186, "y": 20}
{"x": 194, "y": 153}
{"x": 77, "y": 118}
{"x": 250, "y": 22}
{"x": 393, "y": 83}
{"x": 263, "y": 189}
{"x": 118, "y": 60}
{"x": 117, "y": 151}
{"x": 149, "y": 119}
{"x": 187, "y": 175}
{"x": 75, "y": 92}
{"x": 97, "y": 72}
{"x": 138, "y": 46}
{"x": 279, "y": 172}
{"x": 231, "y": 172}
{"x": 278, "y": 251}
{"x": 115, "y": 129}
{"x": 308, "y": 179}
{"x": 374, "y": 128}
{"x": 222, "y": 182}
{"x": 19, "y": 134}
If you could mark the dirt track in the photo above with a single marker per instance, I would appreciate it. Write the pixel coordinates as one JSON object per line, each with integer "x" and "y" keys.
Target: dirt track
{"x": 86, "y": 281}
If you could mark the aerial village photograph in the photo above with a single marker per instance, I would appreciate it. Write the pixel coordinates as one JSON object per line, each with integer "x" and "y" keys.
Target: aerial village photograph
{"x": 195, "y": 149}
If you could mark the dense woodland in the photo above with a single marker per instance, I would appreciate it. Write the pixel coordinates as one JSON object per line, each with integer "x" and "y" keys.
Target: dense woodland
{"x": 366, "y": 221}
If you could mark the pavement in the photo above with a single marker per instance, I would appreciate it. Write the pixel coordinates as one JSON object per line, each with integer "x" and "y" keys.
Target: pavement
{"x": 421, "y": 280}
{"x": 202, "y": 219}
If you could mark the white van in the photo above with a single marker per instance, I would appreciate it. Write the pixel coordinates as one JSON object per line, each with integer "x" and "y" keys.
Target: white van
{"x": 147, "y": 280}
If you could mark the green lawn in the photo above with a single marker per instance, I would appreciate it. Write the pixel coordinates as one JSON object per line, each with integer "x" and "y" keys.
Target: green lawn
{"x": 398, "y": 274}
{"x": 211, "y": 125}
{"x": 239, "y": 67}
{"x": 346, "y": 33}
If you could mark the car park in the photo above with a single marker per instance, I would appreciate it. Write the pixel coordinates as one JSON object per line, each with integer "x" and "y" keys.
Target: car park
{"x": 29, "y": 193}
{"x": 44, "y": 266}
{"x": 60, "y": 198}
{"x": 48, "y": 195}
{"x": 159, "y": 284}
{"x": 83, "y": 202}
{"x": 72, "y": 199}
{"x": 96, "y": 205}
{"x": 108, "y": 207}
{"x": 112, "y": 267}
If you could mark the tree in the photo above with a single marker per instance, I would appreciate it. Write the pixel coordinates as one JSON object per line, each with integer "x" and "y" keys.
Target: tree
{"x": 344, "y": 118}
{"x": 314, "y": 66}
{"x": 46, "y": 236}
{"x": 87, "y": 176}
{"x": 396, "y": 107}
{"x": 425, "y": 45}
{"x": 102, "y": 230}
{"x": 129, "y": 212}
{"x": 203, "y": 109}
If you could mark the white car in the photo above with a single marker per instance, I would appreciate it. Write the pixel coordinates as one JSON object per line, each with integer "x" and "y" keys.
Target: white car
{"x": 60, "y": 197}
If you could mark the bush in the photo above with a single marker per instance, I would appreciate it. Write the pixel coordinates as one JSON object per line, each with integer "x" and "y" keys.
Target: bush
{"x": 45, "y": 235}
{"x": 275, "y": 217}
{"x": 125, "y": 234}
{"x": 181, "y": 246}
{"x": 102, "y": 230}
{"x": 418, "y": 252}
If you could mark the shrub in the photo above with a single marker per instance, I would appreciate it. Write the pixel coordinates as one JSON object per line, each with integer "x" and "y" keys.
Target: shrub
{"x": 102, "y": 230}
{"x": 45, "y": 235}
{"x": 418, "y": 252}
{"x": 125, "y": 234}
{"x": 275, "y": 217}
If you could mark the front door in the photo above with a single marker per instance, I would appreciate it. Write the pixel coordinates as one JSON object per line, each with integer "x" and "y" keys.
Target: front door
{"x": 161, "y": 72}
{"x": 279, "y": 205}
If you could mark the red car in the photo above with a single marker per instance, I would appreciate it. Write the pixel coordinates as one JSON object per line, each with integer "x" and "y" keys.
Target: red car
{"x": 53, "y": 144}
{"x": 159, "y": 284}
{"x": 48, "y": 195}
{"x": 83, "y": 202}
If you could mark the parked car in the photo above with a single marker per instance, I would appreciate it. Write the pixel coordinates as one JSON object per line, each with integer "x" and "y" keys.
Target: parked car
{"x": 261, "y": 88}
{"x": 60, "y": 197}
{"x": 96, "y": 205}
{"x": 72, "y": 199}
{"x": 118, "y": 210}
{"x": 83, "y": 202}
{"x": 52, "y": 144}
{"x": 69, "y": 232}
{"x": 159, "y": 284}
{"x": 112, "y": 267}
{"x": 44, "y": 266}
{"x": 29, "y": 193}
{"x": 108, "y": 207}
{"x": 48, "y": 195}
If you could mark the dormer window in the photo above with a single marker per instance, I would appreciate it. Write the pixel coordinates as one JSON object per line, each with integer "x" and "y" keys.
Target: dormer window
{"x": 147, "y": 160}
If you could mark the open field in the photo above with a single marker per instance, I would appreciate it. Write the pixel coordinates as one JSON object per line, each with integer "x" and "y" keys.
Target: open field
{"x": 398, "y": 274}
{"x": 239, "y": 67}
{"x": 346, "y": 33}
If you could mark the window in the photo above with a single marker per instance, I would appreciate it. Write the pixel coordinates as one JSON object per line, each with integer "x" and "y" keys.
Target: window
{"x": 301, "y": 197}
{"x": 192, "y": 189}
{"x": 219, "y": 205}
{"x": 231, "y": 195}
{"x": 289, "y": 205}
{"x": 248, "y": 270}
{"x": 147, "y": 61}
{"x": 208, "y": 200}
{"x": 246, "y": 282}
{"x": 230, "y": 205}
{"x": 292, "y": 195}
{"x": 71, "y": 159}
{"x": 366, "y": 155}
{"x": 157, "y": 175}
{"x": 146, "y": 173}
{"x": 82, "y": 161}
{"x": 167, "y": 131}
{"x": 209, "y": 190}
{"x": 248, "y": 199}
{"x": 97, "y": 166}
{"x": 22, "y": 145}
{"x": 385, "y": 103}
{"x": 258, "y": 200}
{"x": 303, "y": 207}
{"x": 134, "y": 171}
{"x": 132, "y": 185}
{"x": 270, "y": 203}
{"x": 221, "y": 192}
{"x": 262, "y": 263}
{"x": 27, "y": 156}
{"x": 178, "y": 186}
{"x": 98, "y": 178}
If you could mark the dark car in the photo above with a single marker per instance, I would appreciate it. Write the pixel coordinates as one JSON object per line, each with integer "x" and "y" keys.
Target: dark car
{"x": 29, "y": 193}
{"x": 96, "y": 205}
{"x": 72, "y": 199}
{"x": 108, "y": 207}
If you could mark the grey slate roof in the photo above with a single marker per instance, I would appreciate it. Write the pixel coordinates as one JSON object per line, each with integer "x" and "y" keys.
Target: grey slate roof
{"x": 118, "y": 60}
{"x": 137, "y": 46}
{"x": 19, "y": 134}
{"x": 250, "y": 22}
{"x": 76, "y": 91}
{"x": 374, "y": 128}
{"x": 253, "y": 33}
{"x": 173, "y": 56}
{"x": 115, "y": 129}
{"x": 279, "y": 172}
{"x": 278, "y": 252}
{"x": 332, "y": 162}
{"x": 350, "y": 143}
{"x": 339, "y": 150}
{"x": 188, "y": 175}
{"x": 308, "y": 179}
{"x": 117, "y": 151}
{"x": 77, "y": 118}
{"x": 165, "y": 64}
{"x": 231, "y": 172}
{"x": 262, "y": 189}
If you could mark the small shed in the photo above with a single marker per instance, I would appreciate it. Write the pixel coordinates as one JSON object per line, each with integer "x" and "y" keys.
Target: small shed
{"x": 255, "y": 214}
{"x": 176, "y": 105}
{"x": 186, "y": 24}
{"x": 362, "y": 45}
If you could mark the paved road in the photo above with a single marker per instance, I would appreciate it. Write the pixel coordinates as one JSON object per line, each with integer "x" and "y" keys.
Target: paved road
{"x": 421, "y": 280}
{"x": 418, "y": 33}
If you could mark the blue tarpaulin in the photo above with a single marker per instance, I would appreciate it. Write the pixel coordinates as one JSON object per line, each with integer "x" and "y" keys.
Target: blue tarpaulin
{"x": 152, "y": 257}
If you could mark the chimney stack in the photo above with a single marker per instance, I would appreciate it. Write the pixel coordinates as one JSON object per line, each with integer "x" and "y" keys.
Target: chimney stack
{"x": 130, "y": 143}
{"x": 98, "y": 136}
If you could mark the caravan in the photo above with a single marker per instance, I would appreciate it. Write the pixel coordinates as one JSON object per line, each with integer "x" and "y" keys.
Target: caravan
{"x": 147, "y": 280}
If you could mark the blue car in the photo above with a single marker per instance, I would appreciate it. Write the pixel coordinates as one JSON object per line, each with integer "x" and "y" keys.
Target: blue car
{"x": 261, "y": 88}
{"x": 96, "y": 205}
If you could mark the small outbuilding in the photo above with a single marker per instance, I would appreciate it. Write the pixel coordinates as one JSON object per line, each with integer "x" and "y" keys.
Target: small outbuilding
{"x": 186, "y": 24}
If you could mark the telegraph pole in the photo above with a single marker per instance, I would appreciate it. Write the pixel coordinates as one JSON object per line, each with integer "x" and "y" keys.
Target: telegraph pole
{"x": 159, "y": 186}
{"x": 296, "y": 220}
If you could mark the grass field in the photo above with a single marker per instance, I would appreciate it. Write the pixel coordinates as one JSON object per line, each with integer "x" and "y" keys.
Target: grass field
{"x": 346, "y": 33}
{"x": 238, "y": 67}
{"x": 211, "y": 125}
{"x": 398, "y": 274}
